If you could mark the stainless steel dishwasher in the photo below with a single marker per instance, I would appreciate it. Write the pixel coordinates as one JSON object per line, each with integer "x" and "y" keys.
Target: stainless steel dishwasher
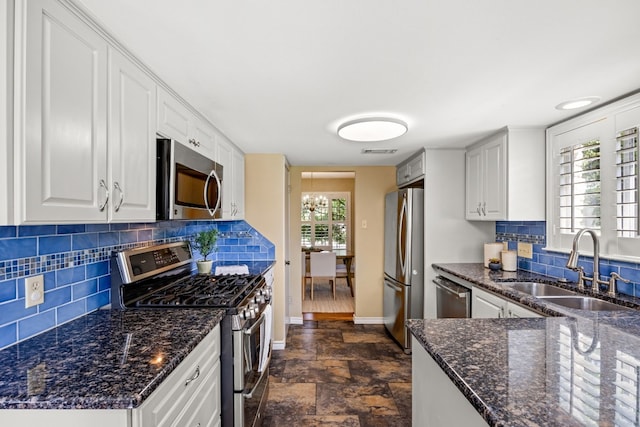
{"x": 453, "y": 300}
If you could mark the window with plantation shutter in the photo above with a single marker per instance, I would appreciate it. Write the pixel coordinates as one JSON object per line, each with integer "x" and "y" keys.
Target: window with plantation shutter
{"x": 326, "y": 226}
{"x": 592, "y": 181}
{"x": 580, "y": 186}
{"x": 627, "y": 183}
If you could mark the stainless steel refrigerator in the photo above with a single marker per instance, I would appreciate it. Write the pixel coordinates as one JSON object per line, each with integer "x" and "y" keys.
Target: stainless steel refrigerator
{"x": 403, "y": 262}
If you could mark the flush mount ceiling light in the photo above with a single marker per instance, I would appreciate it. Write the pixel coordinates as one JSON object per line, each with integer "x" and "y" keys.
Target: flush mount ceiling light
{"x": 578, "y": 103}
{"x": 372, "y": 129}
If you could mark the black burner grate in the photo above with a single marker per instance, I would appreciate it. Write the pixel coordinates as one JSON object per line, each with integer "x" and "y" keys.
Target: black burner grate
{"x": 202, "y": 291}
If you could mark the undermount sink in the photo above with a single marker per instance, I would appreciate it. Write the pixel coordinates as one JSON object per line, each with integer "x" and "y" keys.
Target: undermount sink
{"x": 538, "y": 289}
{"x": 584, "y": 303}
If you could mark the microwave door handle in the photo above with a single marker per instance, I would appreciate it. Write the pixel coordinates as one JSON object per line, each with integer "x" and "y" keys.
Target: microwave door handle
{"x": 206, "y": 191}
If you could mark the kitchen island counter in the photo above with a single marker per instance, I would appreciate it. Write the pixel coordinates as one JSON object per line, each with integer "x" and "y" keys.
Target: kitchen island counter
{"x": 568, "y": 370}
{"x": 105, "y": 360}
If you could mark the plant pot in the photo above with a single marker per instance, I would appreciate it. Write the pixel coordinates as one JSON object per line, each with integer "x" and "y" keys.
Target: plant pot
{"x": 204, "y": 267}
{"x": 495, "y": 266}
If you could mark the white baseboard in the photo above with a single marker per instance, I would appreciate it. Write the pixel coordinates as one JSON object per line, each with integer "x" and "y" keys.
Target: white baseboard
{"x": 278, "y": 345}
{"x": 295, "y": 321}
{"x": 368, "y": 320}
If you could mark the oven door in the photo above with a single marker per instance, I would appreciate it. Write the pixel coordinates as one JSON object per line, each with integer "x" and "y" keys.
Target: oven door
{"x": 252, "y": 355}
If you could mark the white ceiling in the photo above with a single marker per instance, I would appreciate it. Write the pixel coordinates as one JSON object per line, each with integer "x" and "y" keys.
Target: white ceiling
{"x": 279, "y": 76}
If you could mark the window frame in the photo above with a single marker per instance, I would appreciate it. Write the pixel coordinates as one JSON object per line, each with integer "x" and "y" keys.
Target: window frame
{"x": 604, "y": 123}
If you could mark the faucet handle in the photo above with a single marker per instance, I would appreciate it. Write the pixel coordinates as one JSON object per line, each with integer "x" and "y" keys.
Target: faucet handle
{"x": 612, "y": 283}
{"x": 581, "y": 277}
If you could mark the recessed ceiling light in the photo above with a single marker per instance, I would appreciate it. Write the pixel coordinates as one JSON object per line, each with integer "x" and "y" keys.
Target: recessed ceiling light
{"x": 578, "y": 103}
{"x": 372, "y": 129}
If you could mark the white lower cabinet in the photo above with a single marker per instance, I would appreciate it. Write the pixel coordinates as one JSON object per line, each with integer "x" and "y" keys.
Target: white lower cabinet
{"x": 191, "y": 394}
{"x": 437, "y": 402}
{"x": 489, "y": 305}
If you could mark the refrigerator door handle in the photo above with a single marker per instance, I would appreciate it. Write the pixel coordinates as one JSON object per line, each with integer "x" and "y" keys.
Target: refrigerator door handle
{"x": 402, "y": 250}
{"x": 392, "y": 286}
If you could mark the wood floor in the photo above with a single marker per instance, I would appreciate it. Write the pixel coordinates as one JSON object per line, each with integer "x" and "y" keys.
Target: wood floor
{"x": 323, "y": 301}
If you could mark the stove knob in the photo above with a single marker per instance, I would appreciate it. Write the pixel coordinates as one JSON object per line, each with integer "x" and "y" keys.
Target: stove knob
{"x": 260, "y": 299}
{"x": 254, "y": 310}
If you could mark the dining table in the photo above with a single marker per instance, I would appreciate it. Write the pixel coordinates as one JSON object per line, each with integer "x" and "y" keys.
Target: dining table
{"x": 342, "y": 255}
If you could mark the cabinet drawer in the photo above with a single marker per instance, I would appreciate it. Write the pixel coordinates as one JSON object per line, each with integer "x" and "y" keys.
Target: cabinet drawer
{"x": 168, "y": 400}
{"x": 203, "y": 409}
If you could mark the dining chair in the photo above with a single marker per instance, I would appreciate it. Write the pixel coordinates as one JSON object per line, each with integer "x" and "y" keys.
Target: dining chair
{"x": 305, "y": 274}
{"x": 341, "y": 272}
{"x": 323, "y": 265}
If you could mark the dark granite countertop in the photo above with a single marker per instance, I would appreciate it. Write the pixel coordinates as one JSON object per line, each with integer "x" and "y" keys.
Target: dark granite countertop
{"x": 105, "y": 360}
{"x": 576, "y": 370}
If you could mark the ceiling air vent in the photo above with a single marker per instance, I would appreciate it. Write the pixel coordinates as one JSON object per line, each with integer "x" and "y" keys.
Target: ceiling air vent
{"x": 379, "y": 150}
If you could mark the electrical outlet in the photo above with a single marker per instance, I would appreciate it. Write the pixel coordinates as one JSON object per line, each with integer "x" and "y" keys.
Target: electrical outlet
{"x": 525, "y": 250}
{"x": 33, "y": 290}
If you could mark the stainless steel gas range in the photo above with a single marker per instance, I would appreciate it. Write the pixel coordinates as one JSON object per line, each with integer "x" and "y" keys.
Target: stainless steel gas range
{"x": 160, "y": 276}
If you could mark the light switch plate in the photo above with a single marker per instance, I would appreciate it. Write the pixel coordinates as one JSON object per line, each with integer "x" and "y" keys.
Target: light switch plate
{"x": 525, "y": 250}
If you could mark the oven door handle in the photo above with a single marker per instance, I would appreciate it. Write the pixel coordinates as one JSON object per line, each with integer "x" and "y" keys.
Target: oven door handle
{"x": 255, "y": 326}
{"x": 249, "y": 395}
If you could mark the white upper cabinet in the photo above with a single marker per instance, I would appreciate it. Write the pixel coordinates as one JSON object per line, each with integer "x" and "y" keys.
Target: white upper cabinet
{"x": 62, "y": 172}
{"x": 6, "y": 117}
{"x": 70, "y": 169}
{"x": 132, "y": 141}
{"x": 177, "y": 121}
{"x": 232, "y": 161}
{"x": 505, "y": 176}
{"x": 411, "y": 170}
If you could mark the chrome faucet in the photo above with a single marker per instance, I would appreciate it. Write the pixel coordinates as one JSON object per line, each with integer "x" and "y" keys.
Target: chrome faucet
{"x": 572, "y": 263}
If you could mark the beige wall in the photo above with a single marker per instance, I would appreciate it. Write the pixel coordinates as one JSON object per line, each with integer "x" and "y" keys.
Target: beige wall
{"x": 265, "y": 202}
{"x": 371, "y": 185}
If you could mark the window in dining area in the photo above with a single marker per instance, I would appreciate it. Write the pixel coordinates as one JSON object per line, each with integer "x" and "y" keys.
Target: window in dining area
{"x": 325, "y": 220}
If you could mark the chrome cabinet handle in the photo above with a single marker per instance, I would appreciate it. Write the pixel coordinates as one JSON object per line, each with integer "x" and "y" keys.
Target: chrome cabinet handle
{"x": 478, "y": 209}
{"x": 116, "y": 186}
{"x": 484, "y": 211}
{"x": 194, "y": 377}
{"x": 106, "y": 200}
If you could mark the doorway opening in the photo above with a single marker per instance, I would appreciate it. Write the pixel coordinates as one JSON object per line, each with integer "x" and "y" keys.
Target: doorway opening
{"x": 326, "y": 218}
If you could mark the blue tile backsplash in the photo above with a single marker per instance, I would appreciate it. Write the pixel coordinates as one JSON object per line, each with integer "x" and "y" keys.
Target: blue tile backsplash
{"x": 74, "y": 260}
{"x": 553, "y": 263}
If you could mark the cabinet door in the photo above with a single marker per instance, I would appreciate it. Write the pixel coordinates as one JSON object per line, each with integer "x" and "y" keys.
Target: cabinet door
{"x": 132, "y": 141}
{"x": 486, "y": 305}
{"x": 238, "y": 184}
{"x": 494, "y": 203}
{"x": 474, "y": 184}
{"x": 173, "y": 117}
{"x": 63, "y": 156}
{"x": 203, "y": 136}
{"x": 416, "y": 167}
{"x": 514, "y": 310}
{"x": 224, "y": 156}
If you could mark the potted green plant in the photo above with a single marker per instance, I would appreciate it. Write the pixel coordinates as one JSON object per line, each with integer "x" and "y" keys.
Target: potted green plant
{"x": 205, "y": 243}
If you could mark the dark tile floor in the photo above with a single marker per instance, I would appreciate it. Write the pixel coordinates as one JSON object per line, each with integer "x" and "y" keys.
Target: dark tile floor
{"x": 335, "y": 373}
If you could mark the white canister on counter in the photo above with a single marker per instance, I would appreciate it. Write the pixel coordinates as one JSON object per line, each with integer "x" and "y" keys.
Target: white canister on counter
{"x": 509, "y": 260}
{"x": 491, "y": 250}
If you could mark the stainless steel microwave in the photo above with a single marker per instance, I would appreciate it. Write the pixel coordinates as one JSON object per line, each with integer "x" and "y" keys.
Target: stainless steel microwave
{"x": 189, "y": 185}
